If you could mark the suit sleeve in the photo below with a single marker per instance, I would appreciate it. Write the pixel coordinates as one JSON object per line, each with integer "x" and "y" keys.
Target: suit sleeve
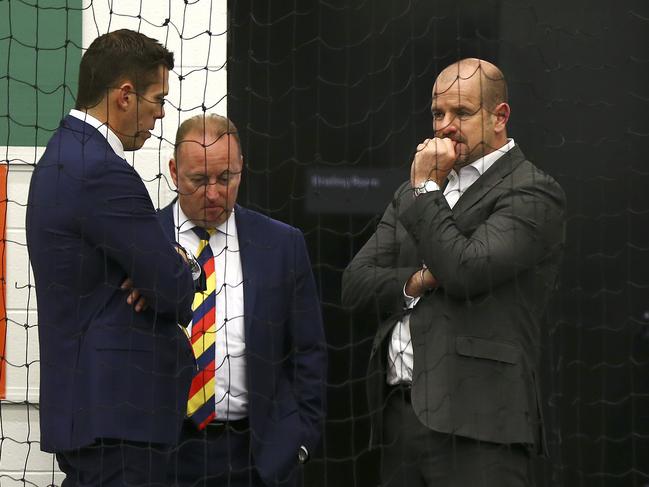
{"x": 121, "y": 221}
{"x": 309, "y": 349}
{"x": 373, "y": 277}
{"x": 525, "y": 227}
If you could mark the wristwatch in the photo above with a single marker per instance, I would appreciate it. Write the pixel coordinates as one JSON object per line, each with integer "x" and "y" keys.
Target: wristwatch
{"x": 303, "y": 455}
{"x": 428, "y": 187}
{"x": 191, "y": 261}
{"x": 195, "y": 267}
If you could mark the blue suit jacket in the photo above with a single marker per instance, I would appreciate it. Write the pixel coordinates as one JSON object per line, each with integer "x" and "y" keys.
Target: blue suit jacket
{"x": 106, "y": 371}
{"x": 285, "y": 345}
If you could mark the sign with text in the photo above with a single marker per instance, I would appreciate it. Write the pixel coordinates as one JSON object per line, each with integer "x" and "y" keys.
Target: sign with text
{"x": 357, "y": 191}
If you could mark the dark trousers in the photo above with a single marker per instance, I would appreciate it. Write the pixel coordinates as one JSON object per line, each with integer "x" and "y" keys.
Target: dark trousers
{"x": 115, "y": 463}
{"x": 414, "y": 456}
{"x": 217, "y": 456}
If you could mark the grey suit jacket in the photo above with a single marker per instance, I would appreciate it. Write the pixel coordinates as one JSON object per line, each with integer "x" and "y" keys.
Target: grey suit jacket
{"x": 475, "y": 338}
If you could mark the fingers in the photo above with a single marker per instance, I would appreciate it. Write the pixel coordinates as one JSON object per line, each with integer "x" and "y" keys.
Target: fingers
{"x": 137, "y": 301}
{"x": 141, "y": 304}
{"x": 429, "y": 281}
{"x": 420, "y": 282}
{"x": 449, "y": 146}
{"x": 438, "y": 147}
{"x": 414, "y": 285}
{"x": 423, "y": 145}
{"x": 182, "y": 253}
{"x": 434, "y": 157}
{"x": 134, "y": 298}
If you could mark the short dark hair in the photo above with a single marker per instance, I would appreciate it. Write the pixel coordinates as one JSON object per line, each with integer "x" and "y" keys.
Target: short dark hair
{"x": 118, "y": 55}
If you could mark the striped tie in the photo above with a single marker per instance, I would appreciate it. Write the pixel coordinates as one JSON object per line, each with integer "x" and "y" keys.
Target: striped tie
{"x": 201, "y": 405}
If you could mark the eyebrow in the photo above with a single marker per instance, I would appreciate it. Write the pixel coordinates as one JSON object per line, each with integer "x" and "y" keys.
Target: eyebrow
{"x": 463, "y": 106}
{"x": 227, "y": 172}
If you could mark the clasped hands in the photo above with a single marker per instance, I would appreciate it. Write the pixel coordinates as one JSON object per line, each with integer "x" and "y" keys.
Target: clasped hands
{"x": 433, "y": 160}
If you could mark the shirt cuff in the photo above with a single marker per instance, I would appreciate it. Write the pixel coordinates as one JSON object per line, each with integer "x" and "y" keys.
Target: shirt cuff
{"x": 428, "y": 187}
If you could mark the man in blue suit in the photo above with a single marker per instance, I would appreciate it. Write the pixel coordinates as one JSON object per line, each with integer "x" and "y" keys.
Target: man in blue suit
{"x": 111, "y": 287}
{"x": 257, "y": 407}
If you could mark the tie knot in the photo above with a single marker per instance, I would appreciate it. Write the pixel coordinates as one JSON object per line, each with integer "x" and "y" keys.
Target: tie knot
{"x": 204, "y": 233}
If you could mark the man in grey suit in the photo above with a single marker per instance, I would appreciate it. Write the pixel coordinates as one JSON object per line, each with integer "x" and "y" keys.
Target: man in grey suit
{"x": 460, "y": 270}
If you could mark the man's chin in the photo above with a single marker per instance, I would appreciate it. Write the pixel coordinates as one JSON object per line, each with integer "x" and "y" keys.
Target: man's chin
{"x": 212, "y": 221}
{"x": 142, "y": 137}
{"x": 467, "y": 156}
{"x": 136, "y": 143}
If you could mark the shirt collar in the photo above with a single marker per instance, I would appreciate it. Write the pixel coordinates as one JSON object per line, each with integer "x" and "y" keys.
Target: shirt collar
{"x": 481, "y": 165}
{"x": 103, "y": 129}
{"x": 184, "y": 224}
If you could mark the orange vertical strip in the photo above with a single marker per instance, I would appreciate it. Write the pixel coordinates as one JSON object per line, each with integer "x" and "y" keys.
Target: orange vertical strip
{"x": 3, "y": 279}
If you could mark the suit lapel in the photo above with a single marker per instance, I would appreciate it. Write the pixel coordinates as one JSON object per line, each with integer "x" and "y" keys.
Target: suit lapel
{"x": 251, "y": 265}
{"x": 167, "y": 221}
{"x": 490, "y": 179}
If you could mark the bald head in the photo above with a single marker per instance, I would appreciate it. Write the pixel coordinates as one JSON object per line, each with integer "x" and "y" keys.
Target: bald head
{"x": 470, "y": 107}
{"x": 493, "y": 86}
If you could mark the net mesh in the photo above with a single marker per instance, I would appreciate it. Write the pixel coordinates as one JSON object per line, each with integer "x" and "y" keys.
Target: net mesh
{"x": 330, "y": 99}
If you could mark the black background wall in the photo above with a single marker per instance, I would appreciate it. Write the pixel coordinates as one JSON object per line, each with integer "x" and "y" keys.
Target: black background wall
{"x": 336, "y": 86}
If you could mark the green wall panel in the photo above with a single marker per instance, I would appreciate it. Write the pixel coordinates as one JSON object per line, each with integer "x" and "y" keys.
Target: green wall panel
{"x": 40, "y": 50}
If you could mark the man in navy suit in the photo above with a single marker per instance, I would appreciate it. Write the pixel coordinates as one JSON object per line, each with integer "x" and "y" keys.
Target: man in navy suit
{"x": 263, "y": 413}
{"x": 111, "y": 287}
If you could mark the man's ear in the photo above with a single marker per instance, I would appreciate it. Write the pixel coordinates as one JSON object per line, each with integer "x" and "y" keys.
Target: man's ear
{"x": 173, "y": 171}
{"x": 125, "y": 95}
{"x": 501, "y": 112}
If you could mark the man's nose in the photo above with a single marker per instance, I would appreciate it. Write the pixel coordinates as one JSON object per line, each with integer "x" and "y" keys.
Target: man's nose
{"x": 212, "y": 192}
{"x": 446, "y": 126}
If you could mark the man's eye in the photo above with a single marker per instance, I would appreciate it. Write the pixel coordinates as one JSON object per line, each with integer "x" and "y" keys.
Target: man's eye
{"x": 438, "y": 115}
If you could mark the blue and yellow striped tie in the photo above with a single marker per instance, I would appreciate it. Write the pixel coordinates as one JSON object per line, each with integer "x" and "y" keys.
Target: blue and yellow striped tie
{"x": 201, "y": 407}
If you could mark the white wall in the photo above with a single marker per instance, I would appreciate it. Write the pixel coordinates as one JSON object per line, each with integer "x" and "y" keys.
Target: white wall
{"x": 200, "y": 61}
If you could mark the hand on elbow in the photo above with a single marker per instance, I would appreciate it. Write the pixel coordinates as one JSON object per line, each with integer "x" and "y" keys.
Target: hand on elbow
{"x": 420, "y": 282}
{"x": 134, "y": 297}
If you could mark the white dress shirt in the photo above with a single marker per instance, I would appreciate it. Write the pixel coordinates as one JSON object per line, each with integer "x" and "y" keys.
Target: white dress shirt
{"x": 104, "y": 130}
{"x": 231, "y": 391}
{"x": 400, "y": 355}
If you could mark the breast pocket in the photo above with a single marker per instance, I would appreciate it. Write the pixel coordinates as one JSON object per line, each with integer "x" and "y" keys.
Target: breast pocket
{"x": 481, "y": 348}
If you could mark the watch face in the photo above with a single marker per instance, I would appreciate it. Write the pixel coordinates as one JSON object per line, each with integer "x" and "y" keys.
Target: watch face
{"x": 430, "y": 186}
{"x": 302, "y": 455}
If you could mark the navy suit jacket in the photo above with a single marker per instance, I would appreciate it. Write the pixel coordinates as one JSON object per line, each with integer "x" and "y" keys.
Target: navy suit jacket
{"x": 285, "y": 345}
{"x": 106, "y": 371}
